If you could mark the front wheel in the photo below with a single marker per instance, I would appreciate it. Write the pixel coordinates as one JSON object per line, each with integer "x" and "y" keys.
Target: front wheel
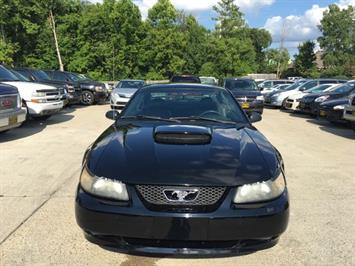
{"x": 41, "y": 118}
{"x": 87, "y": 98}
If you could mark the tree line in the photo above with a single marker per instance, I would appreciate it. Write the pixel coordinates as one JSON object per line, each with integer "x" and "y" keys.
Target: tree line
{"x": 110, "y": 41}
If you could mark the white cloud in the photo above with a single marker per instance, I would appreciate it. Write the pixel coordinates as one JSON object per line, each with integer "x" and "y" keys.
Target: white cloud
{"x": 199, "y": 5}
{"x": 298, "y": 29}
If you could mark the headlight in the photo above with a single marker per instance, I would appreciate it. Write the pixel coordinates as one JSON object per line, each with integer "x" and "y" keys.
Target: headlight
{"x": 260, "y": 191}
{"x": 39, "y": 94}
{"x": 103, "y": 187}
{"x": 260, "y": 98}
{"x": 38, "y": 100}
{"x": 99, "y": 88}
{"x": 339, "y": 107}
{"x": 321, "y": 99}
{"x": 86, "y": 86}
{"x": 114, "y": 94}
{"x": 70, "y": 88}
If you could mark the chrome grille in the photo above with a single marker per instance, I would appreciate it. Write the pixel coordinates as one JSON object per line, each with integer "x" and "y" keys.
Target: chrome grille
{"x": 155, "y": 195}
{"x": 246, "y": 99}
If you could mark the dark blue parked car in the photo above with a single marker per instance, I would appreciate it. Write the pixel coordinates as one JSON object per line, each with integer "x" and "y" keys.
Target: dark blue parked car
{"x": 183, "y": 171}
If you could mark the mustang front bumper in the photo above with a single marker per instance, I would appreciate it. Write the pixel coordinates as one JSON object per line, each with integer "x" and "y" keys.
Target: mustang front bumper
{"x": 131, "y": 227}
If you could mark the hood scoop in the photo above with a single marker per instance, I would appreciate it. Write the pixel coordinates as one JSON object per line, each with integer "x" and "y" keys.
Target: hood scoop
{"x": 182, "y": 135}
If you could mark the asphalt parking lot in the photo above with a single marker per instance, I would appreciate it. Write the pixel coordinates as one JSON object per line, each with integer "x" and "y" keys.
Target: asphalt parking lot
{"x": 39, "y": 167}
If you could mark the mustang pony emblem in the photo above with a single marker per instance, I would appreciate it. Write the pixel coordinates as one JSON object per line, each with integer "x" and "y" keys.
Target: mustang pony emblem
{"x": 181, "y": 195}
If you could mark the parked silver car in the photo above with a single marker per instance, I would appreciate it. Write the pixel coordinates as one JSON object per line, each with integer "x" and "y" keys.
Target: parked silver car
{"x": 123, "y": 92}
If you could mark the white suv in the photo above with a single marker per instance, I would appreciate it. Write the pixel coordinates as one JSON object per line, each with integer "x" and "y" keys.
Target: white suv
{"x": 39, "y": 99}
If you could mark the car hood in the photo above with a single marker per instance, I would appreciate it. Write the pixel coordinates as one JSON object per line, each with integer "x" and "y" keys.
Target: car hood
{"x": 6, "y": 89}
{"x": 128, "y": 92}
{"x": 288, "y": 93}
{"x": 91, "y": 82}
{"x": 332, "y": 103}
{"x": 56, "y": 83}
{"x": 130, "y": 154}
{"x": 297, "y": 95}
{"x": 242, "y": 93}
{"x": 330, "y": 94}
{"x": 274, "y": 92}
{"x": 29, "y": 85}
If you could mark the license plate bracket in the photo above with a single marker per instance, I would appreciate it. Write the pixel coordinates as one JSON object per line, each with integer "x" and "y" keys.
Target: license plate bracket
{"x": 12, "y": 120}
{"x": 245, "y": 105}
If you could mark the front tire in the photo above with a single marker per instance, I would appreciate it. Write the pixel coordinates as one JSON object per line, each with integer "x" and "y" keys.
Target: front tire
{"x": 87, "y": 98}
{"x": 41, "y": 118}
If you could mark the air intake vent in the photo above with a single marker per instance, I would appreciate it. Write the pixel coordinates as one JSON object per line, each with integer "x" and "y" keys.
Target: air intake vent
{"x": 178, "y": 138}
{"x": 178, "y": 135}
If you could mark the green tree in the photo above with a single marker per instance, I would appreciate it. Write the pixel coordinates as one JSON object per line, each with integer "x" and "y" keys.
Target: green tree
{"x": 229, "y": 19}
{"x": 276, "y": 58}
{"x": 305, "y": 59}
{"x": 164, "y": 43}
{"x": 261, "y": 39}
{"x": 7, "y": 51}
{"x": 195, "y": 39}
{"x": 338, "y": 39}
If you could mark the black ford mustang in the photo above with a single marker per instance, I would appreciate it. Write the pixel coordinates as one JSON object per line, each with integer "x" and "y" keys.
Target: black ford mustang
{"x": 182, "y": 171}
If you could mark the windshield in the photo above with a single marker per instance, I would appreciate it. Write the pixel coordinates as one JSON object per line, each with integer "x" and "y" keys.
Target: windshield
{"x": 240, "y": 85}
{"x": 282, "y": 87}
{"x": 212, "y": 103}
{"x": 6, "y": 75}
{"x": 208, "y": 81}
{"x": 40, "y": 75}
{"x": 319, "y": 88}
{"x": 78, "y": 77}
{"x": 185, "y": 79}
{"x": 294, "y": 86}
{"x": 19, "y": 76}
{"x": 131, "y": 84}
{"x": 343, "y": 88}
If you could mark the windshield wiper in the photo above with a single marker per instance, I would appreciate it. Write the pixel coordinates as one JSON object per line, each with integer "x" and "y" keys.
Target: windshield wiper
{"x": 145, "y": 117}
{"x": 205, "y": 119}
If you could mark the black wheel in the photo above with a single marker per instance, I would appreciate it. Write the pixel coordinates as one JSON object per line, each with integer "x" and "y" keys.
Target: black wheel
{"x": 87, "y": 98}
{"x": 41, "y": 118}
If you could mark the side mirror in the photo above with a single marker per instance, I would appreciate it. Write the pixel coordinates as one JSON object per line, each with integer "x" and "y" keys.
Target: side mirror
{"x": 112, "y": 115}
{"x": 255, "y": 117}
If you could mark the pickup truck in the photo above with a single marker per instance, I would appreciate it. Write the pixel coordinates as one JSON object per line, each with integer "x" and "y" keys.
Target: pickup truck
{"x": 41, "y": 101}
{"x": 11, "y": 113}
{"x": 91, "y": 90}
{"x": 39, "y": 76}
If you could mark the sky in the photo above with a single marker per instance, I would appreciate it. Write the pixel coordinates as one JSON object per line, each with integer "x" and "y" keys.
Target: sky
{"x": 298, "y": 18}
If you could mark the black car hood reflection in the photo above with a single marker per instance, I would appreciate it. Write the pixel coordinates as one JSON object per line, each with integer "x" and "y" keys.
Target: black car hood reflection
{"x": 130, "y": 154}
